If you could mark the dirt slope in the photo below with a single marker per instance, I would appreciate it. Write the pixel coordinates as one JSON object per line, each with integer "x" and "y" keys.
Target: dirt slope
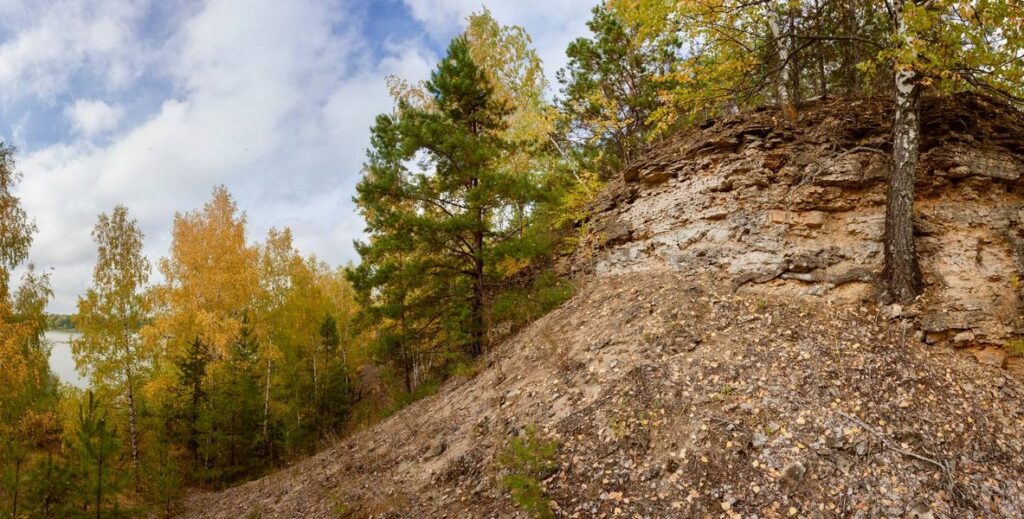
{"x": 720, "y": 360}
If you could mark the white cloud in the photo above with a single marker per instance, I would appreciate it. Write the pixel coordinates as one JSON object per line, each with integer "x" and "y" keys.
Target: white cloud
{"x": 272, "y": 99}
{"x": 90, "y": 117}
{"x": 276, "y": 100}
{"x": 552, "y": 24}
{"x": 52, "y": 42}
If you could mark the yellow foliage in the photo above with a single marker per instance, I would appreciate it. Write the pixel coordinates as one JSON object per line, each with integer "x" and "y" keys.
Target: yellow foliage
{"x": 210, "y": 277}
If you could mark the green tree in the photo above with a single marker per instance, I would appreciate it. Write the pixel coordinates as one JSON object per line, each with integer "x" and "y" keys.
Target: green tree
{"x": 391, "y": 270}
{"x": 97, "y": 445}
{"x": 191, "y": 374}
{"x": 50, "y": 488}
{"x": 110, "y": 314}
{"x": 451, "y": 214}
{"x": 610, "y": 89}
{"x": 15, "y": 456}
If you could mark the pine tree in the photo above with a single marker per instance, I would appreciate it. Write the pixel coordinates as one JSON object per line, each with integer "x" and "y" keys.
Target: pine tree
{"x": 610, "y": 89}
{"x": 386, "y": 277}
{"x": 97, "y": 445}
{"x": 50, "y": 488}
{"x": 14, "y": 455}
{"x": 437, "y": 235}
{"x": 191, "y": 367}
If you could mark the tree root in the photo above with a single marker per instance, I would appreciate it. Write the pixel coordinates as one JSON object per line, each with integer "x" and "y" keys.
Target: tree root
{"x": 855, "y": 274}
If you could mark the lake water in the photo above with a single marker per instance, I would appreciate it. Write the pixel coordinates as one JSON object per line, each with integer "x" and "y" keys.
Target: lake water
{"x": 61, "y": 361}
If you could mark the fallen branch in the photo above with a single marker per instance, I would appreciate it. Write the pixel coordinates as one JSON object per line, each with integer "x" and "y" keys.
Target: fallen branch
{"x": 944, "y": 466}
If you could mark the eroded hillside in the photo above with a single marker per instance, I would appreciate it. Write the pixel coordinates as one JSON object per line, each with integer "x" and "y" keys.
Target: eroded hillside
{"x": 723, "y": 355}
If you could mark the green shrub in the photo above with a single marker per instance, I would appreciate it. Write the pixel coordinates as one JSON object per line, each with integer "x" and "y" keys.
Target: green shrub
{"x": 529, "y": 460}
{"x": 1016, "y": 347}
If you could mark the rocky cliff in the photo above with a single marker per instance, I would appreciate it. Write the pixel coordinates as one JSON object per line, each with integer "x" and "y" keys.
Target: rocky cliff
{"x": 723, "y": 355}
{"x": 798, "y": 209}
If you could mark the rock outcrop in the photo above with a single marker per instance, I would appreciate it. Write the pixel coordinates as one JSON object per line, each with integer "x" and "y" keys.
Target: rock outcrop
{"x": 798, "y": 210}
{"x": 723, "y": 356}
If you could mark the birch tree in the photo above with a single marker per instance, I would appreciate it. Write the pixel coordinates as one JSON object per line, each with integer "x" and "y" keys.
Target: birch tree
{"x": 949, "y": 45}
{"x": 110, "y": 314}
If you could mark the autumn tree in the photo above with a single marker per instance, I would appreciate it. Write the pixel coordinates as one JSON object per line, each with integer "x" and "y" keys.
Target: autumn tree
{"x": 15, "y": 240}
{"x": 210, "y": 284}
{"x": 505, "y": 55}
{"x": 111, "y": 313}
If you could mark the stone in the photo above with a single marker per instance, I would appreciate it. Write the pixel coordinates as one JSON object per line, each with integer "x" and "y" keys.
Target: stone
{"x": 963, "y": 337}
{"x": 961, "y": 160}
{"x": 920, "y": 511}
{"x": 792, "y": 475}
{"x": 1015, "y": 365}
{"x": 991, "y": 355}
{"x": 847, "y": 172}
{"x": 862, "y": 448}
{"x": 811, "y": 219}
{"x": 892, "y": 311}
{"x": 437, "y": 449}
{"x": 759, "y": 440}
{"x": 944, "y": 321}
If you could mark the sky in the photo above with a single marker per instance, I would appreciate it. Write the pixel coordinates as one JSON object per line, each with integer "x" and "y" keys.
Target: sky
{"x": 152, "y": 103}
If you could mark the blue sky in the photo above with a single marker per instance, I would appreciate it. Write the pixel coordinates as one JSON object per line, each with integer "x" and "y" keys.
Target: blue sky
{"x": 151, "y": 103}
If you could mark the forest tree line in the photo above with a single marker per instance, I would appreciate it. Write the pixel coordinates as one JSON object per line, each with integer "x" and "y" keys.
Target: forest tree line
{"x": 247, "y": 354}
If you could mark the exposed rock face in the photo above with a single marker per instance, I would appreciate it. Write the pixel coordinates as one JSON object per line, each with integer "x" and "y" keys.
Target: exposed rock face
{"x": 799, "y": 210}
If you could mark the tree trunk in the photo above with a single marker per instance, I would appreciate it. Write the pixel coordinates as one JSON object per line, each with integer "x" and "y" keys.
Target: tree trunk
{"x": 133, "y": 430}
{"x": 822, "y": 77}
{"x": 99, "y": 480}
{"x": 902, "y": 274}
{"x": 407, "y": 367}
{"x": 478, "y": 296}
{"x": 783, "y": 74}
{"x": 266, "y": 409}
{"x": 477, "y": 332}
{"x": 133, "y": 433}
{"x": 193, "y": 438}
{"x": 316, "y": 390}
{"x": 17, "y": 485}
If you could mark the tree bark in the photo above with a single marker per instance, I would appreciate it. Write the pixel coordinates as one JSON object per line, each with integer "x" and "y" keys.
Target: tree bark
{"x": 477, "y": 332}
{"x": 316, "y": 387}
{"x": 266, "y": 409}
{"x": 17, "y": 486}
{"x": 822, "y": 78}
{"x": 99, "y": 480}
{"x": 901, "y": 275}
{"x": 133, "y": 433}
{"x": 783, "y": 74}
